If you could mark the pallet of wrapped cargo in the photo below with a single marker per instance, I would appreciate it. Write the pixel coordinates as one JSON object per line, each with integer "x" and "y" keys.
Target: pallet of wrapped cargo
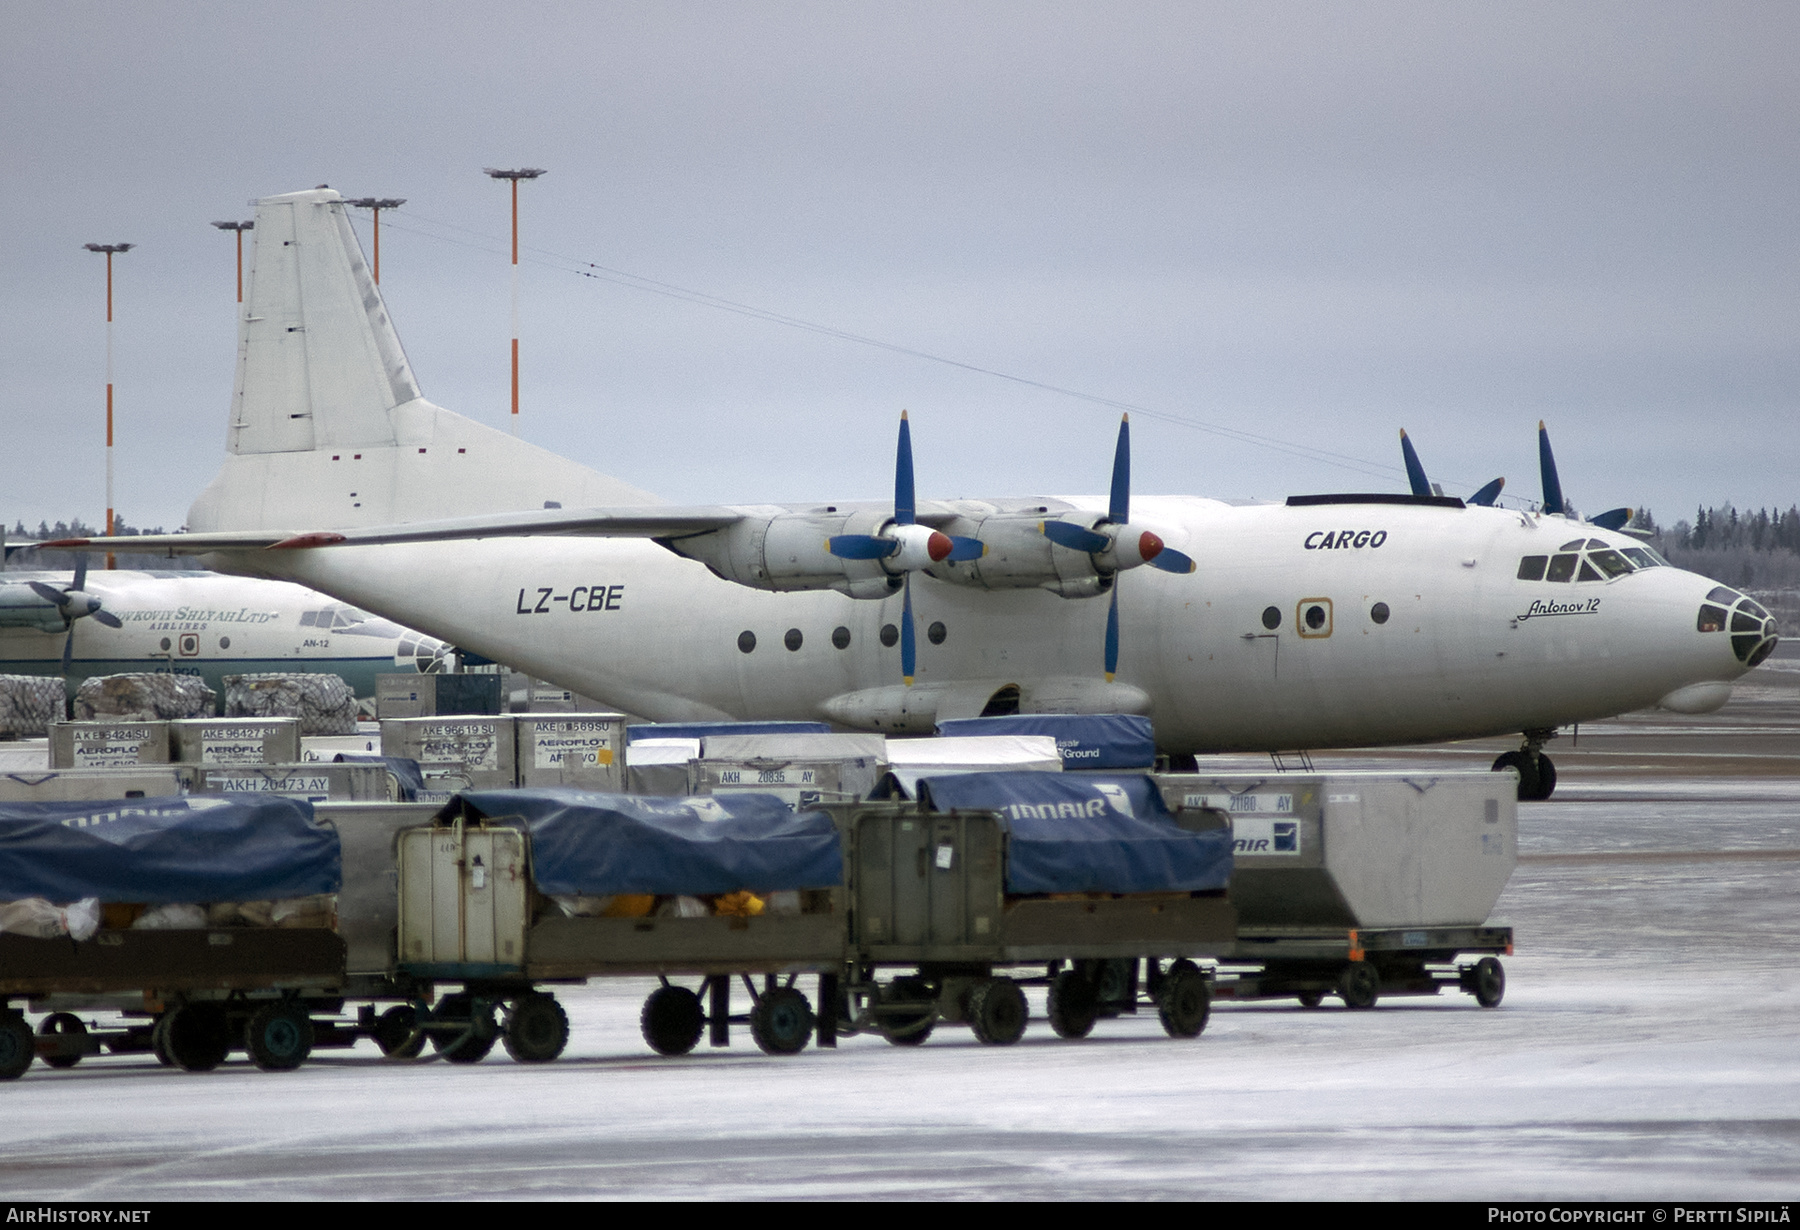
{"x": 314, "y": 781}
{"x": 108, "y": 744}
{"x": 76, "y": 785}
{"x": 1362, "y": 884}
{"x": 486, "y": 747}
{"x": 235, "y": 741}
{"x": 30, "y": 703}
{"x": 143, "y": 696}
{"x": 802, "y": 769}
{"x": 324, "y": 703}
{"x": 571, "y": 749}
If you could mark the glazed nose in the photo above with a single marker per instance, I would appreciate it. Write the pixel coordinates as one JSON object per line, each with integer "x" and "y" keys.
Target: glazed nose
{"x": 1751, "y": 628}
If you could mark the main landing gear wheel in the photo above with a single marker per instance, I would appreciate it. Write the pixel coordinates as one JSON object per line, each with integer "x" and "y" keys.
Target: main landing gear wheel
{"x": 1073, "y": 1005}
{"x": 196, "y": 1037}
{"x": 17, "y": 1046}
{"x": 537, "y": 1029}
{"x": 909, "y": 1029}
{"x": 672, "y": 1020}
{"x": 781, "y": 1021}
{"x": 1359, "y": 985}
{"x": 62, "y": 1024}
{"x": 1490, "y": 982}
{"x": 474, "y": 1043}
{"x": 279, "y": 1037}
{"x": 997, "y": 1011}
{"x": 397, "y": 1033}
{"x": 1185, "y": 1002}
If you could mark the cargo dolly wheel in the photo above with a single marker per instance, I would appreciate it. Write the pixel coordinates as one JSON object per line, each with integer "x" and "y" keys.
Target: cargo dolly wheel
{"x": 1310, "y": 999}
{"x": 196, "y": 1037}
{"x": 537, "y": 1029}
{"x": 1185, "y": 1002}
{"x": 397, "y": 1033}
{"x": 279, "y": 1037}
{"x": 1486, "y": 981}
{"x": 1073, "y": 1004}
{"x": 1359, "y": 985}
{"x": 17, "y": 1046}
{"x": 672, "y": 1020}
{"x": 63, "y": 1025}
{"x": 478, "y": 1034}
{"x": 159, "y": 1040}
{"x": 997, "y": 1011}
{"x": 904, "y": 1027}
{"x": 781, "y": 1021}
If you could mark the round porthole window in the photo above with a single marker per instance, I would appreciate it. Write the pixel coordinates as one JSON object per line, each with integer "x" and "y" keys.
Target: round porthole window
{"x": 936, "y": 633}
{"x": 224, "y": 642}
{"x": 746, "y": 641}
{"x": 890, "y": 635}
{"x": 1379, "y": 612}
{"x": 1272, "y": 618}
{"x": 165, "y": 644}
{"x": 1315, "y": 616}
{"x": 840, "y": 637}
{"x": 794, "y": 639}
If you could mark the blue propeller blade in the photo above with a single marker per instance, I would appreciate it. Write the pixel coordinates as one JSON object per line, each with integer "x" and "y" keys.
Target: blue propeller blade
{"x": 1553, "y": 495}
{"x": 1118, "y": 507}
{"x": 1170, "y": 560}
{"x": 1112, "y": 635}
{"x": 1488, "y": 494}
{"x": 965, "y": 548}
{"x": 906, "y": 508}
{"x": 1613, "y": 518}
{"x": 861, "y": 546}
{"x": 1074, "y": 537}
{"x": 1415, "y": 472}
{"x": 909, "y": 649}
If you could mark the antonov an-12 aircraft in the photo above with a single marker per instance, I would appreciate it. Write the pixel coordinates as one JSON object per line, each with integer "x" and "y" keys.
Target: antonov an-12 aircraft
{"x": 1328, "y": 621}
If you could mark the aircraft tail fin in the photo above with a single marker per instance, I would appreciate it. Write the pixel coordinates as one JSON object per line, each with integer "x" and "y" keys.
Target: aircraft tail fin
{"x": 328, "y": 428}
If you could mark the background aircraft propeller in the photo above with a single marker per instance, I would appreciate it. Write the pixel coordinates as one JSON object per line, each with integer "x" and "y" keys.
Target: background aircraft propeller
{"x": 1115, "y": 544}
{"x": 75, "y": 603}
{"x": 1611, "y": 519}
{"x": 1415, "y": 475}
{"x": 904, "y": 546}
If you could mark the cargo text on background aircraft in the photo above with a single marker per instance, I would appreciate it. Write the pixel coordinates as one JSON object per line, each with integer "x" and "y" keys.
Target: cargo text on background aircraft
{"x": 1233, "y": 627}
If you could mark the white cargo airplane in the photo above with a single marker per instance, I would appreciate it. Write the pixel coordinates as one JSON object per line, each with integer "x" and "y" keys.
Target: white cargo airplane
{"x": 195, "y": 623}
{"x": 1330, "y": 621}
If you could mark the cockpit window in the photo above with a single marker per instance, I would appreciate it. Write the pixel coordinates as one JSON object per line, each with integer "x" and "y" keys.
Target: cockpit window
{"x": 1596, "y": 560}
{"x": 1531, "y": 568}
{"x": 1643, "y": 557}
{"x": 1588, "y": 572}
{"x": 1723, "y": 596}
{"x": 1562, "y": 568}
{"x": 1572, "y": 546}
{"x": 1610, "y": 562}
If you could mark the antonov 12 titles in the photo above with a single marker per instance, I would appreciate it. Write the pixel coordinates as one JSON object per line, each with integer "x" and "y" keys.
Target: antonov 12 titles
{"x": 1329, "y": 621}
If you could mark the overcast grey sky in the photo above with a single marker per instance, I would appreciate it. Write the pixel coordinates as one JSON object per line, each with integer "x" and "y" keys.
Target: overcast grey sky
{"x": 1317, "y": 223}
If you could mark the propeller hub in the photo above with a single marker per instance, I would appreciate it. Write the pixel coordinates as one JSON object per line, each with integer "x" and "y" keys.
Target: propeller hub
{"x": 1149, "y": 546}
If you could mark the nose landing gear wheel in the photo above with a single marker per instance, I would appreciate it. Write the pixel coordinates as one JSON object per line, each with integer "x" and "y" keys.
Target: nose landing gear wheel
{"x": 537, "y": 1029}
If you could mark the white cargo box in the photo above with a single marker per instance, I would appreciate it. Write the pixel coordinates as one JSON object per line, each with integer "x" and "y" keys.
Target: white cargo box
{"x": 106, "y": 744}
{"x": 911, "y": 759}
{"x": 803, "y": 769}
{"x": 235, "y": 741}
{"x": 485, "y": 746}
{"x": 316, "y": 781}
{"x": 464, "y": 898}
{"x": 571, "y": 749}
{"x": 81, "y": 785}
{"x": 1362, "y": 849}
{"x": 659, "y": 766}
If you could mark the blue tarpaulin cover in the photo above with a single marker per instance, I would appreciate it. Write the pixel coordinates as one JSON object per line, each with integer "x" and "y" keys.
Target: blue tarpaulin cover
{"x": 1088, "y": 834}
{"x": 594, "y": 845}
{"x": 1085, "y": 741}
{"x": 404, "y": 768}
{"x": 230, "y": 847}
{"x": 700, "y": 730}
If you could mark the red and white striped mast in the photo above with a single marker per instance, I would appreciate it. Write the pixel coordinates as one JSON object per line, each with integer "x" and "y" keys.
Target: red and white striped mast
{"x": 515, "y": 177}
{"x": 109, "y": 249}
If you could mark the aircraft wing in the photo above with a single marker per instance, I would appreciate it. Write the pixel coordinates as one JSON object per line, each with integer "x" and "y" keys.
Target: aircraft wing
{"x": 633, "y": 522}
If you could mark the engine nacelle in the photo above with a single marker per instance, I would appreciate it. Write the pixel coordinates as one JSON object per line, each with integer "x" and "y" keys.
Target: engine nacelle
{"x": 785, "y": 552}
{"x": 1020, "y": 557}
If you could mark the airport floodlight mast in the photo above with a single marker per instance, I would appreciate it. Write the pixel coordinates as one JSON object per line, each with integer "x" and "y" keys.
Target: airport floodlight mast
{"x": 375, "y": 204}
{"x": 240, "y": 228}
{"x": 515, "y": 177}
{"x": 109, "y": 249}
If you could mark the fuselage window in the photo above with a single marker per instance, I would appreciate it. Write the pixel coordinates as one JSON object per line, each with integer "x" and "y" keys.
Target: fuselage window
{"x": 890, "y": 635}
{"x": 1531, "y": 568}
{"x": 1271, "y": 618}
{"x": 746, "y": 641}
{"x": 1379, "y": 612}
{"x": 1562, "y": 568}
{"x": 840, "y": 636}
{"x": 224, "y": 642}
{"x": 936, "y": 633}
{"x": 794, "y": 639}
